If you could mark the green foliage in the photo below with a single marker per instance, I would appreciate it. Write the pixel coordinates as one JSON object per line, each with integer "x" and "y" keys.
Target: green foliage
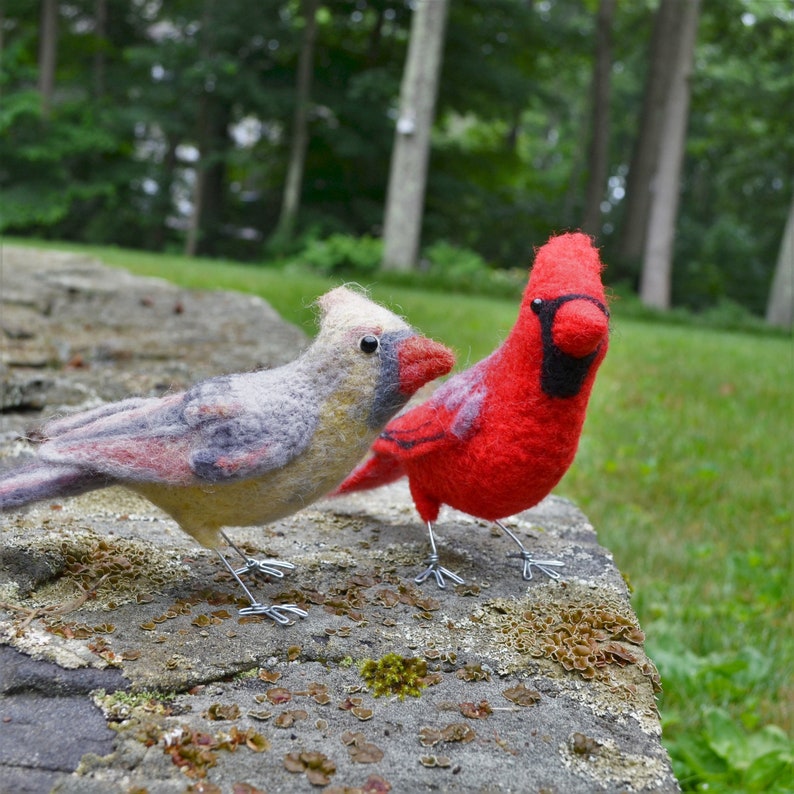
{"x": 509, "y": 162}
{"x": 724, "y": 315}
{"x": 343, "y": 254}
{"x": 724, "y": 757}
{"x": 444, "y": 267}
{"x": 393, "y": 674}
{"x": 733, "y": 205}
{"x": 47, "y": 162}
{"x": 448, "y": 267}
{"x": 453, "y": 261}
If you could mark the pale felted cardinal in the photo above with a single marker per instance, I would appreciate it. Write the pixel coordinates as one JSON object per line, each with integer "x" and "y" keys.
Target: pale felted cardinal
{"x": 495, "y": 439}
{"x": 244, "y": 449}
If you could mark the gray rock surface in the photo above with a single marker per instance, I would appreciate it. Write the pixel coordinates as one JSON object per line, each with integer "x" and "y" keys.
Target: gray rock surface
{"x": 124, "y": 666}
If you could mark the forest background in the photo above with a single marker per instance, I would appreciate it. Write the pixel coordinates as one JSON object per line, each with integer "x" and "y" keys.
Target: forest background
{"x": 249, "y": 142}
{"x": 171, "y": 125}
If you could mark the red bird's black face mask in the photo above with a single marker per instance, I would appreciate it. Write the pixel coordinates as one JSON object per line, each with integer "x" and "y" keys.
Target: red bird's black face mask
{"x": 562, "y": 371}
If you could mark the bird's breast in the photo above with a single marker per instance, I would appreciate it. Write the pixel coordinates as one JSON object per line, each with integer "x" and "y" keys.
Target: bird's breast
{"x": 512, "y": 462}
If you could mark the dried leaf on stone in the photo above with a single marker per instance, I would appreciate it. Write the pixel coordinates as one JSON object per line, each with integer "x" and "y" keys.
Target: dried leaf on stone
{"x": 317, "y": 766}
{"x": 288, "y": 718}
{"x": 245, "y": 788}
{"x": 223, "y": 711}
{"x": 203, "y": 787}
{"x": 458, "y": 732}
{"x": 429, "y": 737}
{"x": 473, "y": 672}
{"x": 434, "y": 761}
{"x": 256, "y": 742}
{"x": 522, "y": 695}
{"x": 375, "y": 784}
{"x": 476, "y": 711}
{"x": 260, "y": 715}
{"x": 361, "y": 751}
{"x": 278, "y": 695}
{"x": 366, "y": 753}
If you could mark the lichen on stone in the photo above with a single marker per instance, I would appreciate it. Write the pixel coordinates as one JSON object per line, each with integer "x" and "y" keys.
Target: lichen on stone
{"x": 582, "y": 636}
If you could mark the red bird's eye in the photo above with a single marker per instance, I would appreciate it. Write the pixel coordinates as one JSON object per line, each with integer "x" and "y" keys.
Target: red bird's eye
{"x": 369, "y": 344}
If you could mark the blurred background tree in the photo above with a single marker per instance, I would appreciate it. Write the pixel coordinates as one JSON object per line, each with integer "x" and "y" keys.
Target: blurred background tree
{"x": 173, "y": 125}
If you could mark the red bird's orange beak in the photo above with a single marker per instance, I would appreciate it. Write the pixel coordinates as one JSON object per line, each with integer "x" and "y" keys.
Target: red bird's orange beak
{"x": 420, "y": 361}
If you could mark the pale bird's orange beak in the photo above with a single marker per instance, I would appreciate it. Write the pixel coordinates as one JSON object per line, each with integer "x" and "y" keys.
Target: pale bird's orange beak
{"x": 420, "y": 361}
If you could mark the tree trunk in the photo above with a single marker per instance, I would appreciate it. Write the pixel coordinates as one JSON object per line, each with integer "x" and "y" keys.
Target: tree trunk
{"x": 209, "y": 190}
{"x": 657, "y": 265}
{"x": 194, "y": 225}
{"x": 644, "y": 158}
{"x": 780, "y": 306}
{"x": 163, "y": 203}
{"x": 214, "y": 184}
{"x": 405, "y": 196}
{"x": 598, "y": 155}
{"x": 48, "y": 50}
{"x": 100, "y": 32}
{"x": 212, "y": 134}
{"x": 290, "y": 204}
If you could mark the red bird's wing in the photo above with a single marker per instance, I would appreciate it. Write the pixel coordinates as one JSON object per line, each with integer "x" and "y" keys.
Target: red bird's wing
{"x": 447, "y": 419}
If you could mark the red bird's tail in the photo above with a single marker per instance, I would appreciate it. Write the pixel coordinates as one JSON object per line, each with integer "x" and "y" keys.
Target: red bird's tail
{"x": 374, "y": 472}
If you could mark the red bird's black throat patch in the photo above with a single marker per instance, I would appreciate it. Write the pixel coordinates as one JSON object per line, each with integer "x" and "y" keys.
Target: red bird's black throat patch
{"x": 562, "y": 375}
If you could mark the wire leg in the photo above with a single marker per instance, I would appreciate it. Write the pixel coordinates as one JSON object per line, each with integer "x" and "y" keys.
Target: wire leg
{"x": 433, "y": 567}
{"x": 276, "y": 612}
{"x": 266, "y": 567}
{"x": 546, "y": 566}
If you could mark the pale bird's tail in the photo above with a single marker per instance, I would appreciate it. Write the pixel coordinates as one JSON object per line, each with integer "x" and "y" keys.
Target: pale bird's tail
{"x": 38, "y": 481}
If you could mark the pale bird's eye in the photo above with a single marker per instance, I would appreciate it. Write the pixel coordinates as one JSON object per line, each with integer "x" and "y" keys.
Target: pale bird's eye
{"x": 369, "y": 344}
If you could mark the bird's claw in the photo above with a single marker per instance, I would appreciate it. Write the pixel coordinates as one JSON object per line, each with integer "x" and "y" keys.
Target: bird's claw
{"x": 275, "y": 612}
{"x": 439, "y": 572}
{"x": 268, "y": 567}
{"x": 546, "y": 566}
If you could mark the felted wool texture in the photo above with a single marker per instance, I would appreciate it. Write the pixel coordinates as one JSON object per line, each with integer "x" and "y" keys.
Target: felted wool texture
{"x": 245, "y": 448}
{"x": 38, "y": 481}
{"x": 495, "y": 440}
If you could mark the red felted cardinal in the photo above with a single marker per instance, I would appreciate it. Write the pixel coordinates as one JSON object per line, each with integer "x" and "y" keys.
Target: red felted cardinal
{"x": 495, "y": 439}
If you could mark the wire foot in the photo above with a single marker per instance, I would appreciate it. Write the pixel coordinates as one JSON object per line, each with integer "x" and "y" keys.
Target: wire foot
{"x": 439, "y": 572}
{"x": 545, "y": 566}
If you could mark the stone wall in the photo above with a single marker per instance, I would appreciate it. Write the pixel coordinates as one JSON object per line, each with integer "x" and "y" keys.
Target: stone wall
{"x": 125, "y": 667}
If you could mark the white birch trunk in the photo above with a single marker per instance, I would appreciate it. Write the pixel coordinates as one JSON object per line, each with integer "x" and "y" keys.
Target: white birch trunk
{"x": 405, "y": 196}
{"x": 780, "y": 306}
{"x": 657, "y": 266}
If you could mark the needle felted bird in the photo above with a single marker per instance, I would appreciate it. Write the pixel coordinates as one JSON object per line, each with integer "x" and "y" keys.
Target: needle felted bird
{"x": 244, "y": 449}
{"x": 496, "y": 438}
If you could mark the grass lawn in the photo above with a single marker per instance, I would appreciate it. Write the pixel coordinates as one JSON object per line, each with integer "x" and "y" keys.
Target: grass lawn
{"x": 685, "y": 470}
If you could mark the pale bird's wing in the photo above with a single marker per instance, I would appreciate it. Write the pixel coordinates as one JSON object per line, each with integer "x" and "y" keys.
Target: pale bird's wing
{"x": 223, "y": 429}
